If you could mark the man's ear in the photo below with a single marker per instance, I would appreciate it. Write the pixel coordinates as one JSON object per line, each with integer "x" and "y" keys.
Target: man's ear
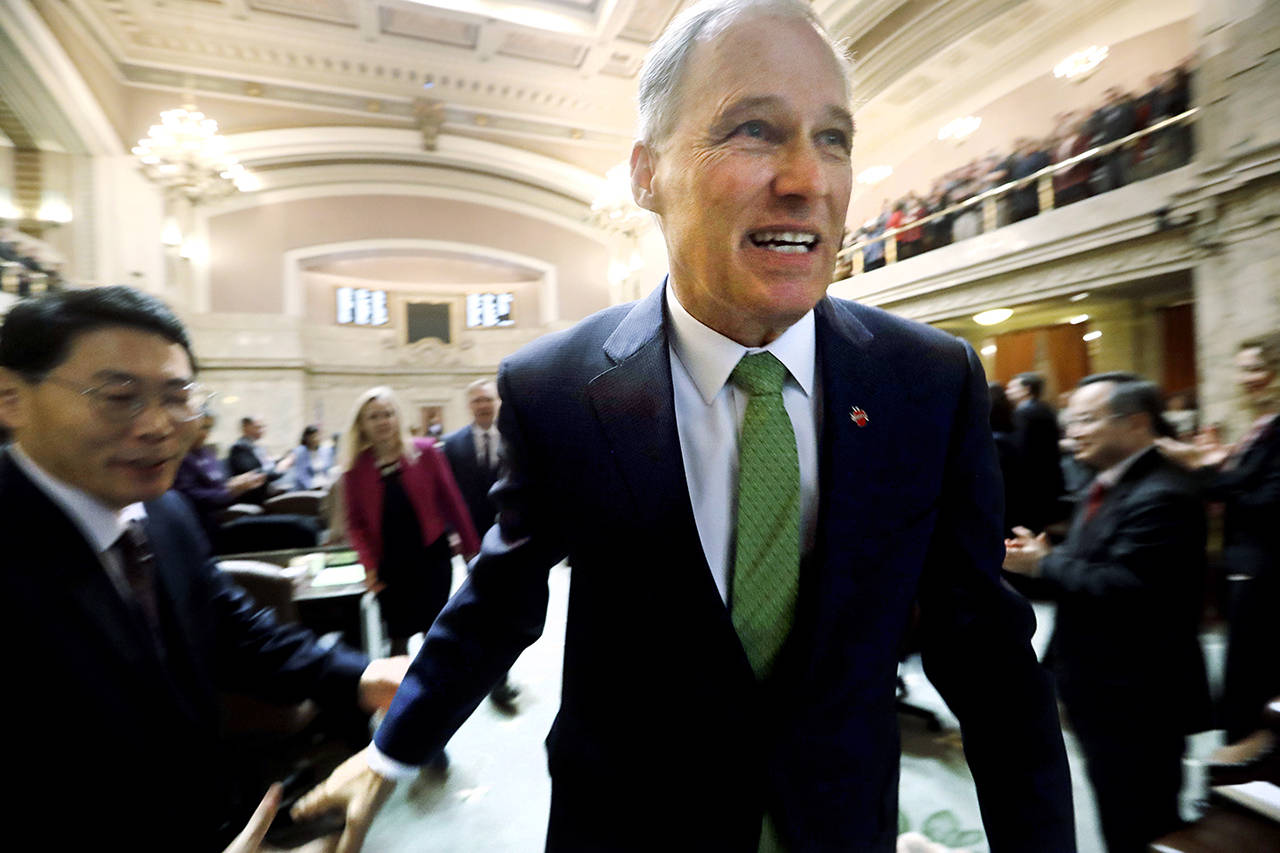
{"x": 643, "y": 163}
{"x": 12, "y": 399}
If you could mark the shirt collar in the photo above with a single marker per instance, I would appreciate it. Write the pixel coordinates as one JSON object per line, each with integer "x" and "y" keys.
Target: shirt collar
{"x": 99, "y": 524}
{"x": 710, "y": 357}
{"x": 1112, "y": 475}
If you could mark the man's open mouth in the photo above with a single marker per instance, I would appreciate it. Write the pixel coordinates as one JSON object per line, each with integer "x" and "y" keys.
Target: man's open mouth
{"x": 787, "y": 242}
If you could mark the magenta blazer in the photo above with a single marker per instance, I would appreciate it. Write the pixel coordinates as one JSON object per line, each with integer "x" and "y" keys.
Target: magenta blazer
{"x": 431, "y": 489}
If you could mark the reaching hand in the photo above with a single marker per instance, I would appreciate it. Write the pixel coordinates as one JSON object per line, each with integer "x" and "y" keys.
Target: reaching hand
{"x": 250, "y": 839}
{"x": 1206, "y": 452}
{"x": 379, "y": 682}
{"x": 1023, "y": 553}
{"x": 353, "y": 789}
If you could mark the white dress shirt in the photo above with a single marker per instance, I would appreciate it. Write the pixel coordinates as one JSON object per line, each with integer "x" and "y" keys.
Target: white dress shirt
{"x": 477, "y": 437}
{"x": 101, "y": 526}
{"x": 709, "y": 412}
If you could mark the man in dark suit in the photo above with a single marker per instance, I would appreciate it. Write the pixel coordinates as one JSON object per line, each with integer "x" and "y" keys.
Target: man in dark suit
{"x": 473, "y": 453}
{"x": 1128, "y": 582}
{"x": 753, "y": 483}
{"x": 1036, "y": 435}
{"x": 247, "y": 456}
{"x": 119, "y": 627}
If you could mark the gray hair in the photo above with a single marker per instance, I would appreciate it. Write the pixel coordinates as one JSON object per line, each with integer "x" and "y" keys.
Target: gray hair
{"x": 662, "y": 78}
{"x": 1133, "y": 395}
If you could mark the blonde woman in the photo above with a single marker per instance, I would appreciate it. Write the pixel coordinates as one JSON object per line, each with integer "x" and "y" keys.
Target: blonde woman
{"x": 400, "y": 503}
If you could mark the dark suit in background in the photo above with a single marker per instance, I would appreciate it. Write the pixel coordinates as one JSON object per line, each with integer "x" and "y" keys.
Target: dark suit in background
{"x": 1128, "y": 584}
{"x": 474, "y": 479}
{"x": 909, "y": 510}
{"x": 1036, "y": 431}
{"x": 245, "y": 456}
{"x": 1249, "y": 487}
{"x": 113, "y": 743}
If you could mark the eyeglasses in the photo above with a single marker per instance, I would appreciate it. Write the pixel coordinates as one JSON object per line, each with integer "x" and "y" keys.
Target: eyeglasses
{"x": 120, "y": 401}
{"x": 1088, "y": 419}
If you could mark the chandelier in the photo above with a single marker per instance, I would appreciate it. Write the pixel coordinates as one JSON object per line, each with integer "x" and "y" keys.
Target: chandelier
{"x": 613, "y": 208}
{"x": 185, "y": 154}
{"x": 1080, "y": 64}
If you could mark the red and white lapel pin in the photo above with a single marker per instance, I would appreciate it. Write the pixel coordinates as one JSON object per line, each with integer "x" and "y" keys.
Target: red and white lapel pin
{"x": 859, "y": 417}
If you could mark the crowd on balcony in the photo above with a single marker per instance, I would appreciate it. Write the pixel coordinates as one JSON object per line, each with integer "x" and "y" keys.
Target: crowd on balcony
{"x": 27, "y": 265}
{"x": 1121, "y": 114}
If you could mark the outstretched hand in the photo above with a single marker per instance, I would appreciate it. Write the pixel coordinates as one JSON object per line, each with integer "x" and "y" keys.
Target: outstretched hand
{"x": 379, "y": 682}
{"x": 353, "y": 789}
{"x": 1023, "y": 553}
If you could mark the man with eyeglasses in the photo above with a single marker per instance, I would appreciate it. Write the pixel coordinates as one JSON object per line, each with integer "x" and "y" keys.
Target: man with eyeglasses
{"x": 1127, "y": 583}
{"x": 119, "y": 630}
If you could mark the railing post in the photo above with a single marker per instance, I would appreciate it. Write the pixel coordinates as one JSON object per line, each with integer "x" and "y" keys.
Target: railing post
{"x": 1044, "y": 189}
{"x": 988, "y": 215}
{"x": 891, "y": 249}
{"x": 855, "y": 263}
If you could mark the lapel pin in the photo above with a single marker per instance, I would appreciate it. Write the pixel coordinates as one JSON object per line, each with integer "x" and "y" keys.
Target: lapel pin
{"x": 858, "y": 416}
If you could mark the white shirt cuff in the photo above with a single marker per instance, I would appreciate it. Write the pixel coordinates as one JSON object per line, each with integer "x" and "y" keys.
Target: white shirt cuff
{"x": 386, "y": 766}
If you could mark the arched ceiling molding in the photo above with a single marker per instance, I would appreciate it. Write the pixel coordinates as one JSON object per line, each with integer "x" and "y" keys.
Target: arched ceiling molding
{"x": 548, "y": 288}
{"x": 375, "y": 188}
{"x": 299, "y": 145}
{"x": 65, "y": 110}
{"x": 201, "y": 271}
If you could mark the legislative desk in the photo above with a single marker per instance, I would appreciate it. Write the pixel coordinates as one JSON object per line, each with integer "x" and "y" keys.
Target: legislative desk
{"x": 1240, "y": 819}
{"x": 328, "y": 587}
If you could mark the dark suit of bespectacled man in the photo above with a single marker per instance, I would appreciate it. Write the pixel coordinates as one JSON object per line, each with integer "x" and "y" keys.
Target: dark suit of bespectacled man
{"x": 1127, "y": 582}
{"x": 754, "y": 483}
{"x": 119, "y": 630}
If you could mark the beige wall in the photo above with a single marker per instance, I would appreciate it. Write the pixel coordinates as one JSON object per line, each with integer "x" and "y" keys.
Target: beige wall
{"x": 246, "y": 247}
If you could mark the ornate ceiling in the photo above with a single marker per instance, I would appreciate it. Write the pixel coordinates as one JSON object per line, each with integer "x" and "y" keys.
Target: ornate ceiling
{"x": 554, "y": 78}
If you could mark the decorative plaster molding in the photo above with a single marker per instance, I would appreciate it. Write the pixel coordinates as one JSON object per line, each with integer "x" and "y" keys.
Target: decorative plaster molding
{"x": 44, "y": 57}
{"x": 1100, "y": 242}
{"x": 300, "y": 144}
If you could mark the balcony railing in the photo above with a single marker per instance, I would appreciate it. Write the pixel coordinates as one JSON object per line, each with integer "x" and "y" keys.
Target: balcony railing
{"x": 850, "y": 258}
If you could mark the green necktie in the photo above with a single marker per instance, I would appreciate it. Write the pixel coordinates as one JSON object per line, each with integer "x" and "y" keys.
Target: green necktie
{"x": 766, "y": 567}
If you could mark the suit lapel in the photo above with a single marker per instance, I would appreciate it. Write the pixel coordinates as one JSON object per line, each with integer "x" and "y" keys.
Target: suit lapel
{"x": 846, "y": 453}
{"x": 1098, "y": 529}
{"x": 69, "y": 564}
{"x": 634, "y": 405}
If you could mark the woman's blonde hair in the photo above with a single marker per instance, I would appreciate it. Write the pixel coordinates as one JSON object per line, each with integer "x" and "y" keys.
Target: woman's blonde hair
{"x": 355, "y": 442}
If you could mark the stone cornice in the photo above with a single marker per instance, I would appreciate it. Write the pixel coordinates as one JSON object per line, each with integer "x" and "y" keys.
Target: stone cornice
{"x": 1166, "y": 223}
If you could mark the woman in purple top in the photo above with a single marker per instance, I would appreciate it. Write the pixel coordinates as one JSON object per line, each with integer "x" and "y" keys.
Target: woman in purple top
{"x": 204, "y": 481}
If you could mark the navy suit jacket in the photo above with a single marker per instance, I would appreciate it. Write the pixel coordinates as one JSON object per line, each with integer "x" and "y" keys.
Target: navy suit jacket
{"x": 473, "y": 481}
{"x": 115, "y": 745}
{"x": 664, "y": 739}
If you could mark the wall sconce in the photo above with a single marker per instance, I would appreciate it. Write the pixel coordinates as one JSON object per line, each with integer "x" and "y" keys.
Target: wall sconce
{"x": 171, "y": 234}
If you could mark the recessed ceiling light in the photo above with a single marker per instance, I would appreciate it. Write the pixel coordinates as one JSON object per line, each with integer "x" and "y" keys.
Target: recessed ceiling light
{"x": 874, "y": 174}
{"x": 1080, "y": 64}
{"x": 1091, "y": 336}
{"x": 960, "y": 128}
{"x": 1076, "y": 297}
{"x": 989, "y": 349}
{"x": 993, "y": 316}
{"x": 1078, "y": 319}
